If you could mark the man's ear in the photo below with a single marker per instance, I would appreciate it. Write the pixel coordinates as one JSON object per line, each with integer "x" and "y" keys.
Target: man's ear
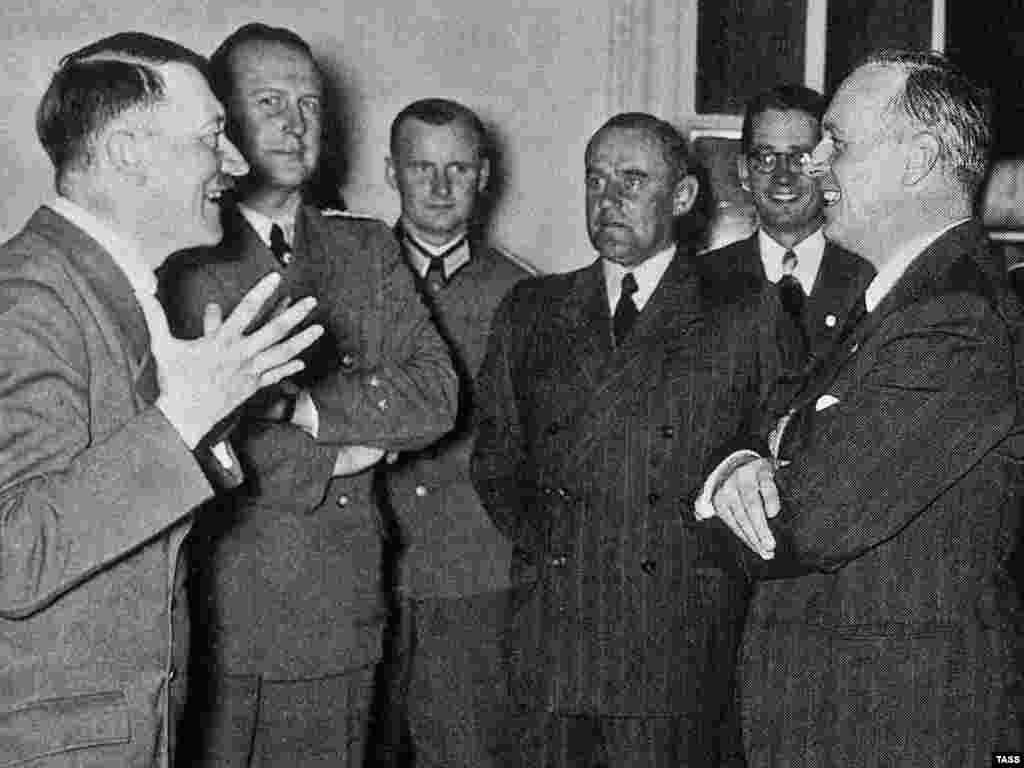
{"x": 743, "y": 171}
{"x": 126, "y": 151}
{"x": 391, "y": 173}
{"x": 685, "y": 195}
{"x": 923, "y": 151}
{"x": 484, "y": 176}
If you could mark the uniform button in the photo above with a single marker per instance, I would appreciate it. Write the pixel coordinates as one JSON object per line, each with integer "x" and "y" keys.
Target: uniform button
{"x": 343, "y": 501}
{"x": 348, "y": 360}
{"x": 553, "y": 428}
{"x": 668, "y": 431}
{"x": 421, "y": 491}
{"x": 653, "y": 498}
{"x": 648, "y": 566}
{"x": 830, "y": 321}
{"x": 383, "y": 404}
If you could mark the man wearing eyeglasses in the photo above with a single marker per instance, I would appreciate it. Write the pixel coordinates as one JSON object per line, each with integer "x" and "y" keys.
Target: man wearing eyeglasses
{"x": 821, "y": 284}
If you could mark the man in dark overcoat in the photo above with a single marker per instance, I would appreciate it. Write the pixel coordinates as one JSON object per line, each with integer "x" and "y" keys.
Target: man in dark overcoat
{"x": 600, "y": 399}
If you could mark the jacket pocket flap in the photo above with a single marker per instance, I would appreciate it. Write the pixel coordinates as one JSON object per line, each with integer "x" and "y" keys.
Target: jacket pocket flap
{"x": 54, "y": 726}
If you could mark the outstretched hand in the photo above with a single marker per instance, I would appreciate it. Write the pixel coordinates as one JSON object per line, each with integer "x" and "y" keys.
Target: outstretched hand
{"x": 203, "y": 380}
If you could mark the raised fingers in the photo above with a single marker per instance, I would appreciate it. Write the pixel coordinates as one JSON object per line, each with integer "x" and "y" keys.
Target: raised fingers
{"x": 276, "y": 362}
{"x": 251, "y": 304}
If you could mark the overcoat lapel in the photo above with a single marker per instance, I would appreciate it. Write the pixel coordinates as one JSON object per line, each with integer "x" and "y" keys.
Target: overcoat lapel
{"x": 584, "y": 322}
{"x": 673, "y": 312}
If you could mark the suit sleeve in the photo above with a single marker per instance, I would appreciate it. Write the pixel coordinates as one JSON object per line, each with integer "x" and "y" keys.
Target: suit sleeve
{"x": 937, "y": 397}
{"x": 500, "y": 465}
{"x": 282, "y": 462}
{"x": 406, "y": 398}
{"x": 72, "y": 503}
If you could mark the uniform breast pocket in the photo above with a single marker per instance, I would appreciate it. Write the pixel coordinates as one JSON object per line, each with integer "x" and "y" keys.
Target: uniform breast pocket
{"x": 51, "y": 727}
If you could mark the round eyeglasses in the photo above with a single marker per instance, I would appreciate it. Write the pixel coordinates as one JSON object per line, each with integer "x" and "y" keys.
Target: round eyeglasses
{"x": 767, "y": 161}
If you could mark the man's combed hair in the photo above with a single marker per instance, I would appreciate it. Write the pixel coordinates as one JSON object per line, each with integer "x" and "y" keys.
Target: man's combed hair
{"x": 95, "y": 85}
{"x": 674, "y": 148}
{"x": 221, "y": 74}
{"x": 323, "y": 190}
{"x": 941, "y": 99}
{"x": 437, "y": 111}
{"x": 788, "y": 96}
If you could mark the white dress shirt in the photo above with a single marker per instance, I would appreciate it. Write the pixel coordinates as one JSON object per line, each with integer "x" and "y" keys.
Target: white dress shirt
{"x": 809, "y": 253}
{"x": 647, "y": 274}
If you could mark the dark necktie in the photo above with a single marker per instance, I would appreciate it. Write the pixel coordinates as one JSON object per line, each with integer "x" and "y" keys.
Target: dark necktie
{"x": 790, "y": 290}
{"x": 435, "y": 273}
{"x": 279, "y": 246}
{"x": 625, "y": 311}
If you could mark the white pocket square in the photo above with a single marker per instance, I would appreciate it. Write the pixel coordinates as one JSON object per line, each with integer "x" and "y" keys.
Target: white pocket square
{"x": 825, "y": 401}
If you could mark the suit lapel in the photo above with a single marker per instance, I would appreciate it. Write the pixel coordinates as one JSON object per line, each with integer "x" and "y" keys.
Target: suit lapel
{"x": 839, "y": 285}
{"x": 924, "y": 277}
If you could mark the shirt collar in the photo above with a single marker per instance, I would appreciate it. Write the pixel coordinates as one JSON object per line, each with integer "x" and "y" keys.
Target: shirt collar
{"x": 809, "y": 253}
{"x": 647, "y": 274}
{"x": 125, "y": 251}
{"x": 893, "y": 270}
{"x": 263, "y": 224}
{"x": 453, "y": 261}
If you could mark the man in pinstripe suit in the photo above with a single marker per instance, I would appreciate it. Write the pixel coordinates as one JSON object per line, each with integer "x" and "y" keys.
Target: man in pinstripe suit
{"x": 895, "y": 636}
{"x": 601, "y": 395}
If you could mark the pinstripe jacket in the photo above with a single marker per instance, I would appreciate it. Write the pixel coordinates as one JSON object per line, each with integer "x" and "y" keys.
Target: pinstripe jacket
{"x": 901, "y": 643}
{"x": 587, "y": 456}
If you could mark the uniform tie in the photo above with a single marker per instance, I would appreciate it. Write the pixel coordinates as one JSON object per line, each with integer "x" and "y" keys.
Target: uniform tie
{"x": 279, "y": 246}
{"x": 435, "y": 277}
{"x": 625, "y": 311}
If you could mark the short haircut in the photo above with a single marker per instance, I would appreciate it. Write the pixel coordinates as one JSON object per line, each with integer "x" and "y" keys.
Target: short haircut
{"x": 436, "y": 111}
{"x": 674, "y": 148}
{"x": 98, "y": 83}
{"x": 940, "y": 98}
{"x": 323, "y": 189}
{"x": 782, "y": 97}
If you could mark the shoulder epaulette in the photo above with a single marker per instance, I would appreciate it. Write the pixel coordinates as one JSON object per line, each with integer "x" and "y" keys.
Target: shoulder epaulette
{"x": 338, "y": 213}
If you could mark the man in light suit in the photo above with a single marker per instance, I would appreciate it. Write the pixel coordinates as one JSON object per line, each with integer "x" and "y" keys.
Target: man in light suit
{"x": 290, "y": 583}
{"x": 454, "y": 565}
{"x": 600, "y": 399}
{"x": 821, "y": 283}
{"x": 888, "y": 504}
{"x": 103, "y": 412}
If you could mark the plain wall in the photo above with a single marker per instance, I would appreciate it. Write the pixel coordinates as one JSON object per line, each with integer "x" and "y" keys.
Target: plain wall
{"x": 535, "y": 70}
